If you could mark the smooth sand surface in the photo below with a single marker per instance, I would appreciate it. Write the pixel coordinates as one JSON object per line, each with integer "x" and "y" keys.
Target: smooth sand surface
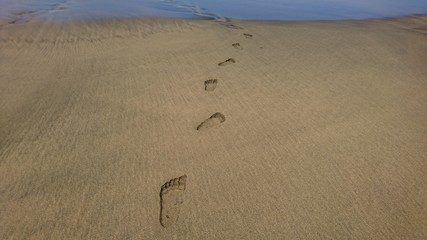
{"x": 325, "y": 137}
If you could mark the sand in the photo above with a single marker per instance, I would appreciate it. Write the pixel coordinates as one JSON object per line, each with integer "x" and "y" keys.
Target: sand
{"x": 325, "y": 134}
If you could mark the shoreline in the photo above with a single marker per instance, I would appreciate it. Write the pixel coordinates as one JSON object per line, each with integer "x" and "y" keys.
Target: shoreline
{"x": 297, "y": 130}
{"x": 227, "y": 19}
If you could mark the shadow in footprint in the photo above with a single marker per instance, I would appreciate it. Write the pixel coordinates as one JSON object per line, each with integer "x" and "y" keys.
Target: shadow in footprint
{"x": 171, "y": 198}
{"x": 227, "y": 62}
{"x": 214, "y": 120}
{"x": 210, "y": 84}
{"x": 247, "y": 35}
{"x": 236, "y": 45}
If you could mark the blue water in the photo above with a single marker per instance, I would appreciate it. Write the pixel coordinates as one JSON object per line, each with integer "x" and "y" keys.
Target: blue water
{"x": 22, "y": 10}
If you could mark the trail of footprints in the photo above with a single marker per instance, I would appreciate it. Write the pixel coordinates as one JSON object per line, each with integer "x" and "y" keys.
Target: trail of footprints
{"x": 172, "y": 192}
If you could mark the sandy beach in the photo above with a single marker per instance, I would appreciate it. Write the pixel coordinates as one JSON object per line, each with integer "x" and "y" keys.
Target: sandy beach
{"x": 312, "y": 130}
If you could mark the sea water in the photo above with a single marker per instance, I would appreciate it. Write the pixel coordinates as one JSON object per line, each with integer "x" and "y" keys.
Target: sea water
{"x": 23, "y": 10}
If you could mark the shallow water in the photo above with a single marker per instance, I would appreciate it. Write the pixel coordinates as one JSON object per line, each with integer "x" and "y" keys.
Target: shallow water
{"x": 16, "y": 11}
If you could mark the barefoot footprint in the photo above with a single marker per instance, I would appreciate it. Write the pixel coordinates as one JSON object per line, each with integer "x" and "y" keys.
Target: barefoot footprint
{"x": 236, "y": 45}
{"x": 210, "y": 85}
{"x": 248, "y": 35}
{"x": 214, "y": 120}
{"x": 227, "y": 62}
{"x": 171, "y": 198}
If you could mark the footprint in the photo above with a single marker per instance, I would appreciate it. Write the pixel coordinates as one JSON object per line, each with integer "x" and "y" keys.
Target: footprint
{"x": 210, "y": 84}
{"x": 227, "y": 62}
{"x": 248, "y": 35}
{"x": 236, "y": 45}
{"x": 214, "y": 120}
{"x": 171, "y": 198}
{"x": 232, "y": 26}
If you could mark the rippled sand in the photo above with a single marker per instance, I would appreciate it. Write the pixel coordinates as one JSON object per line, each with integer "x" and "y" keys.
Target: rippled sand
{"x": 317, "y": 130}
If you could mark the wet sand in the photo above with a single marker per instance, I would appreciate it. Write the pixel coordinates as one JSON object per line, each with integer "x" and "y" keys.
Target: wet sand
{"x": 315, "y": 130}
